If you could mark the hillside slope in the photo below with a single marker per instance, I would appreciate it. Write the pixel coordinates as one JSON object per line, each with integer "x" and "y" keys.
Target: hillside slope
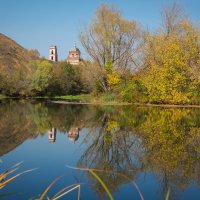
{"x": 12, "y": 56}
{"x": 16, "y": 67}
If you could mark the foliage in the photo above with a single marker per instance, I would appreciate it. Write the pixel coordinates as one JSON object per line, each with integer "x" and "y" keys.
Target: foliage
{"x": 69, "y": 79}
{"x": 170, "y": 61}
{"x": 107, "y": 97}
{"x": 170, "y": 72}
{"x": 110, "y": 41}
{"x": 113, "y": 79}
{"x": 43, "y": 77}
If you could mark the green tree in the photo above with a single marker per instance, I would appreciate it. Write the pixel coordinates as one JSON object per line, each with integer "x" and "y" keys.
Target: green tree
{"x": 68, "y": 78}
{"x": 43, "y": 77}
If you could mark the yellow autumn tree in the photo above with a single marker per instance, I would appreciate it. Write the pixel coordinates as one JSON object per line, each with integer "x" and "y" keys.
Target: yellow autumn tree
{"x": 171, "y": 63}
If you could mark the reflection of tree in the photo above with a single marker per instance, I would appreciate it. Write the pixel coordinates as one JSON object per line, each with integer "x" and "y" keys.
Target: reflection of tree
{"x": 22, "y": 120}
{"x": 47, "y": 116}
{"x": 171, "y": 138}
{"x": 114, "y": 149}
{"x": 165, "y": 141}
{"x": 41, "y": 117}
{"x": 15, "y": 126}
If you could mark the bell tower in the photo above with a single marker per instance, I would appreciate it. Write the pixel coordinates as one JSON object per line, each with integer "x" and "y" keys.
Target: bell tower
{"x": 53, "y": 56}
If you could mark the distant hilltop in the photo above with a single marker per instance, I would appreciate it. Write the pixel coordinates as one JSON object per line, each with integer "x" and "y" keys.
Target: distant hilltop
{"x": 13, "y": 57}
{"x": 74, "y": 56}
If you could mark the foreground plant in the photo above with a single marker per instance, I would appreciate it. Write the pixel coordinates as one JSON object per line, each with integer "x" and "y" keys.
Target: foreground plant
{"x": 92, "y": 171}
{"x": 61, "y": 193}
{"x": 3, "y": 176}
{"x": 70, "y": 188}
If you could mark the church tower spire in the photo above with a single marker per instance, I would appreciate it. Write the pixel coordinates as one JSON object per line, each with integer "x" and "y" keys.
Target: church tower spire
{"x": 53, "y": 56}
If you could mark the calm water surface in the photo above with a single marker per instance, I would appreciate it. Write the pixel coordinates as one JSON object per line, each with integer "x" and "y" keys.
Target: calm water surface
{"x": 158, "y": 148}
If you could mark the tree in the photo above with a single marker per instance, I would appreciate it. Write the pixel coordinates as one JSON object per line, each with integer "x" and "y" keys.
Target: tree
{"x": 111, "y": 39}
{"x": 43, "y": 77}
{"x": 68, "y": 78}
{"x": 171, "y": 17}
{"x": 171, "y": 66}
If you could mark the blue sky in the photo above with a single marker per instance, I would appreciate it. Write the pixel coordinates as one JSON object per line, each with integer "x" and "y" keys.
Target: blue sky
{"x": 36, "y": 24}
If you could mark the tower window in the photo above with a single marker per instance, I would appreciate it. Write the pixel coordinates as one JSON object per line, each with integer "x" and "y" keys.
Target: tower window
{"x": 51, "y": 57}
{"x": 52, "y": 52}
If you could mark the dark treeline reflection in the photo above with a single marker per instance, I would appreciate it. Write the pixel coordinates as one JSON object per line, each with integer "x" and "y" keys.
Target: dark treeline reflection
{"x": 20, "y": 120}
{"x": 127, "y": 140}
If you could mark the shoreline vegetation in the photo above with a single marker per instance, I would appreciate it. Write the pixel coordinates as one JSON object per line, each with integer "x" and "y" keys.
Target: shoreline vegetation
{"x": 88, "y": 99}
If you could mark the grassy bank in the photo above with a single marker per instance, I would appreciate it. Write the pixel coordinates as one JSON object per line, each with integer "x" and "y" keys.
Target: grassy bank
{"x": 101, "y": 99}
{"x": 110, "y": 99}
{"x": 81, "y": 97}
{"x": 2, "y": 96}
{"x": 88, "y": 98}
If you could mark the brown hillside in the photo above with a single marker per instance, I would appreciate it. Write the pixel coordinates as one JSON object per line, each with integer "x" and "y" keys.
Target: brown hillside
{"x": 13, "y": 56}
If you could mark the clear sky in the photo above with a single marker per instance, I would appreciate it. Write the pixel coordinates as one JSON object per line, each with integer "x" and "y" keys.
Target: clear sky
{"x": 36, "y": 24}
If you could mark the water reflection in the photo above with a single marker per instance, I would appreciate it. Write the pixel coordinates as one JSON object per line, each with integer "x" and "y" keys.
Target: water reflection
{"x": 52, "y": 135}
{"x": 128, "y": 140}
{"x": 73, "y": 134}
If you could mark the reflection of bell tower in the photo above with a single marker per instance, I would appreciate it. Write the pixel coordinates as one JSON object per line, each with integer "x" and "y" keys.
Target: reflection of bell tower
{"x": 52, "y": 135}
{"x": 53, "y": 56}
{"x": 73, "y": 134}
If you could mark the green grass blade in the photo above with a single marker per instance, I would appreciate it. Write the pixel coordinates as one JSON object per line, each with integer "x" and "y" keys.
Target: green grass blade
{"x": 102, "y": 183}
{"x": 167, "y": 196}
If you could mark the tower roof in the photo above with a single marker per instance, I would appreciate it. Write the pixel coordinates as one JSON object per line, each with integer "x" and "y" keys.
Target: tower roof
{"x": 52, "y": 46}
{"x": 74, "y": 48}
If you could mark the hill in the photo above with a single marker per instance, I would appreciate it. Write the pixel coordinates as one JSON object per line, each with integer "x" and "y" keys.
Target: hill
{"x": 13, "y": 56}
{"x": 15, "y": 66}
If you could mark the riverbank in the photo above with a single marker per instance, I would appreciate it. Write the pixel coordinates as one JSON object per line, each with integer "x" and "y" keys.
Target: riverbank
{"x": 88, "y": 99}
{"x": 126, "y": 103}
{"x": 94, "y": 103}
